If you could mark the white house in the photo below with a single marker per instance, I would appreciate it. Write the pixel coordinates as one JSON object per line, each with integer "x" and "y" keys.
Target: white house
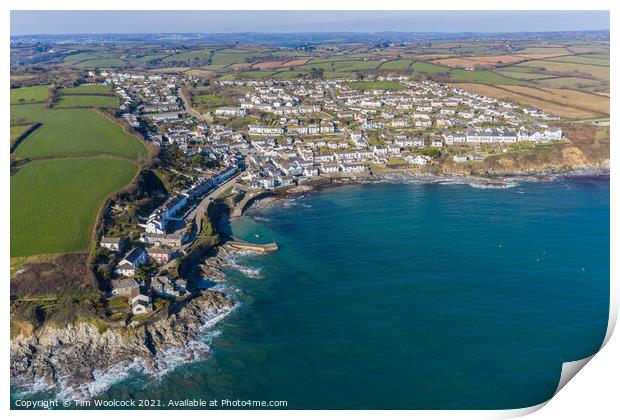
{"x": 327, "y": 168}
{"x": 140, "y": 301}
{"x": 132, "y": 261}
{"x": 263, "y": 183}
{"x": 352, "y": 167}
{"x": 113, "y": 244}
{"x": 455, "y": 138}
{"x": 417, "y": 160}
{"x": 231, "y": 112}
{"x": 265, "y": 130}
{"x": 311, "y": 171}
{"x": 553, "y": 134}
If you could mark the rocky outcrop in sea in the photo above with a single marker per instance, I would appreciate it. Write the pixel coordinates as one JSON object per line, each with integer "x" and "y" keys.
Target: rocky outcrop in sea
{"x": 79, "y": 360}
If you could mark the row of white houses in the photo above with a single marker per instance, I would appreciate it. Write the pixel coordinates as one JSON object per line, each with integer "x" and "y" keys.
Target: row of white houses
{"x": 491, "y": 135}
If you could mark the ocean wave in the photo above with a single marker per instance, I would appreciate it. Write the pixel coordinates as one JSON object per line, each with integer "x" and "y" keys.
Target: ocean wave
{"x": 221, "y": 287}
{"x": 26, "y": 389}
{"x": 231, "y": 260}
{"x": 493, "y": 186}
{"x": 250, "y": 272}
{"x": 103, "y": 380}
{"x": 418, "y": 179}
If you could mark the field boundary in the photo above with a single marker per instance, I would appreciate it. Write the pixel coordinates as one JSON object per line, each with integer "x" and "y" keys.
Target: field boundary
{"x": 94, "y": 233}
{"x": 138, "y": 162}
{"x": 23, "y": 136}
{"x": 29, "y": 103}
{"x": 55, "y": 106}
{"x": 86, "y": 94}
{"x": 147, "y": 146}
{"x": 25, "y": 160}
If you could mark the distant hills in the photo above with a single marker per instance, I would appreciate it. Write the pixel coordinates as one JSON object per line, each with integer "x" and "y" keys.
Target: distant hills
{"x": 301, "y": 39}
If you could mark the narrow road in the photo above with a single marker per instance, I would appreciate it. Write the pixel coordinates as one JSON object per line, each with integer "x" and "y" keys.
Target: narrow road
{"x": 204, "y": 203}
{"x": 188, "y": 108}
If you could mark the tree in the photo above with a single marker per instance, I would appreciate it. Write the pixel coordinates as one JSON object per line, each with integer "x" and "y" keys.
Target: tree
{"x": 316, "y": 73}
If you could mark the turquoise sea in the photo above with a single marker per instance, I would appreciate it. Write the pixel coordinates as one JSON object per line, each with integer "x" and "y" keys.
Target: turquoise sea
{"x": 409, "y": 296}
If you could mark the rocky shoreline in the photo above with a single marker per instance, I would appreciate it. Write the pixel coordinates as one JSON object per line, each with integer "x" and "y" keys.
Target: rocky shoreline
{"x": 503, "y": 180}
{"x": 79, "y": 360}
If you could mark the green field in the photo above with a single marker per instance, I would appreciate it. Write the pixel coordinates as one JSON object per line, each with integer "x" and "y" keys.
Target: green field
{"x": 208, "y": 101}
{"x": 85, "y": 89}
{"x": 377, "y": 86}
{"x": 146, "y": 58}
{"x": 339, "y": 75}
{"x": 293, "y": 74}
{"x": 325, "y": 66}
{"x": 101, "y": 62}
{"x": 515, "y": 69}
{"x": 523, "y": 75}
{"x": 87, "y": 101}
{"x": 597, "y": 55}
{"x": 18, "y": 130}
{"x": 54, "y": 203}
{"x": 340, "y": 65}
{"x": 228, "y": 57}
{"x": 76, "y": 58}
{"x": 187, "y": 56}
{"x": 233, "y": 51}
{"x": 334, "y": 59}
{"x": 29, "y": 94}
{"x": 255, "y": 74}
{"x": 395, "y": 65}
{"x": 422, "y": 67}
{"x": 484, "y": 77}
{"x": 73, "y": 132}
{"x": 55, "y": 200}
{"x": 582, "y": 59}
{"x": 362, "y": 65}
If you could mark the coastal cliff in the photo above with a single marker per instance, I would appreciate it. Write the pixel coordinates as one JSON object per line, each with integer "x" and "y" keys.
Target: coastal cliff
{"x": 76, "y": 359}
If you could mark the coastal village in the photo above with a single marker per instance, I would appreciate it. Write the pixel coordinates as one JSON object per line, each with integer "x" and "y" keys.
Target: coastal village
{"x": 283, "y": 134}
{"x": 181, "y": 199}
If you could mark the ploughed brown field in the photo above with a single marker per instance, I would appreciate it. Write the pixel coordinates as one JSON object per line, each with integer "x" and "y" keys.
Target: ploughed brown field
{"x": 581, "y": 100}
{"x": 563, "y": 102}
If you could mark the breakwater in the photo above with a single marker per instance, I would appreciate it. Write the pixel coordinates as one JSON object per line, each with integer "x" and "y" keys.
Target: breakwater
{"x": 247, "y": 246}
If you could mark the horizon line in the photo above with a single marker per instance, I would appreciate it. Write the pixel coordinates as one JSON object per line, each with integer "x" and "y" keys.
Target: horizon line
{"x": 315, "y": 32}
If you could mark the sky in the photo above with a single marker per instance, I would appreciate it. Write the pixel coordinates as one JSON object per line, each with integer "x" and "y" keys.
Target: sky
{"x": 101, "y": 22}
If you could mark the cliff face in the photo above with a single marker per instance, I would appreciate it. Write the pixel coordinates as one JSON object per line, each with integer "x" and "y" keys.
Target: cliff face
{"x": 587, "y": 149}
{"x": 74, "y": 358}
{"x": 562, "y": 158}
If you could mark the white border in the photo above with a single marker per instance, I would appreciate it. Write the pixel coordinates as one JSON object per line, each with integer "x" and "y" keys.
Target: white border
{"x": 594, "y": 394}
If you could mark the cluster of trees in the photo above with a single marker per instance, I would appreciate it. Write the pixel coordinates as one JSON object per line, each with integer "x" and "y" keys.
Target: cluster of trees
{"x": 430, "y": 151}
{"x": 316, "y": 73}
